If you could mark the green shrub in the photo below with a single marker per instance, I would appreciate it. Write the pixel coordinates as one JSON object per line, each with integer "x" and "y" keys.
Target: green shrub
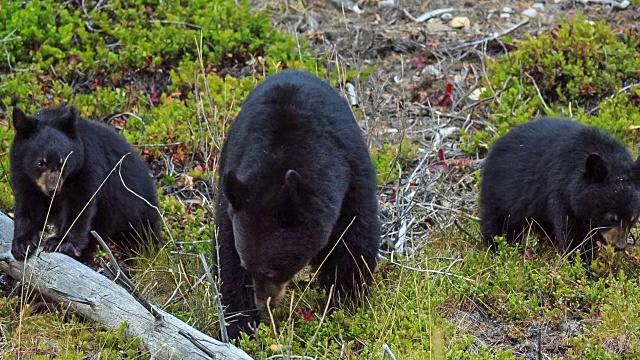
{"x": 391, "y": 159}
{"x": 564, "y": 73}
{"x": 159, "y": 61}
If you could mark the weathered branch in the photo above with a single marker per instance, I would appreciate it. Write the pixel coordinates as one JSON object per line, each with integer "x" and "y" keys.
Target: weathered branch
{"x": 100, "y": 299}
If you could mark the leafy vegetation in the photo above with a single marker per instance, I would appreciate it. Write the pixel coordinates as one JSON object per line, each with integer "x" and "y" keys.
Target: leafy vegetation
{"x": 391, "y": 159}
{"x": 59, "y": 336}
{"x": 572, "y": 72}
{"x": 156, "y": 60}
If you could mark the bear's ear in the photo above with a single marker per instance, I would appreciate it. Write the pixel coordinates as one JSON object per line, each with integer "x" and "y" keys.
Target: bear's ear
{"x": 634, "y": 172}
{"x": 289, "y": 202}
{"x": 67, "y": 123}
{"x": 291, "y": 187}
{"x": 596, "y": 168}
{"x": 24, "y": 124}
{"x": 233, "y": 190}
{"x": 292, "y": 180}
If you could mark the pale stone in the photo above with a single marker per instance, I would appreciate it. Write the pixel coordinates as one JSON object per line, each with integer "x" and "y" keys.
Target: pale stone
{"x": 460, "y": 22}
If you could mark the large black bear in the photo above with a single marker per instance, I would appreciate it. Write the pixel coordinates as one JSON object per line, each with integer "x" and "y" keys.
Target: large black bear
{"x": 39, "y": 174}
{"x": 574, "y": 184}
{"x": 297, "y": 186}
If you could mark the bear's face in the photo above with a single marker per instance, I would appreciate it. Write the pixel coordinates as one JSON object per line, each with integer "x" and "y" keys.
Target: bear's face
{"x": 609, "y": 203}
{"x": 50, "y": 142}
{"x": 274, "y": 236}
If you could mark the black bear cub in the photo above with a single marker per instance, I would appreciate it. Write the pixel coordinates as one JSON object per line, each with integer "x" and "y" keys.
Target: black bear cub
{"x": 572, "y": 183}
{"x": 297, "y": 187}
{"x": 59, "y": 160}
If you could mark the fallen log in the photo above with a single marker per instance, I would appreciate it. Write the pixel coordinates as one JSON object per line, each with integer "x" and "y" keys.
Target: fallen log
{"x": 98, "y": 298}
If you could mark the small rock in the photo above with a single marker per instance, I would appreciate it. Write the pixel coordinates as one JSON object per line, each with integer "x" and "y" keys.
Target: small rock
{"x": 433, "y": 70}
{"x": 538, "y": 6}
{"x": 388, "y": 3}
{"x": 436, "y": 25}
{"x": 460, "y": 22}
{"x": 475, "y": 94}
{"x": 507, "y": 9}
{"x": 530, "y": 13}
{"x": 505, "y": 15}
{"x": 185, "y": 181}
{"x": 446, "y": 16}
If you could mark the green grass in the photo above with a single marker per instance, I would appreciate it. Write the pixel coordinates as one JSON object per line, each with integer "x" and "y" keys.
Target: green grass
{"x": 40, "y": 336}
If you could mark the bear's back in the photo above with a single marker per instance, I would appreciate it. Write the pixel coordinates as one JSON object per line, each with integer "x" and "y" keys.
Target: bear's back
{"x": 547, "y": 143}
{"x": 293, "y": 120}
{"x": 294, "y": 99}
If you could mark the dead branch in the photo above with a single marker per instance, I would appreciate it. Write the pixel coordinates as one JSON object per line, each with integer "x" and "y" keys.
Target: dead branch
{"x": 97, "y": 298}
{"x": 494, "y": 36}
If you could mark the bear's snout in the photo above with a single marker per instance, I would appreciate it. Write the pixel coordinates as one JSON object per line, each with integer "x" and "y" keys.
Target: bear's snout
{"x": 48, "y": 182}
{"x": 616, "y": 236}
{"x": 267, "y": 291}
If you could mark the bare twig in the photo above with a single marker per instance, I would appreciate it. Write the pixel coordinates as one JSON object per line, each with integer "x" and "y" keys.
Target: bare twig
{"x": 430, "y": 14}
{"x": 538, "y": 91}
{"x": 197, "y": 344}
{"x": 614, "y": 4}
{"x": 189, "y": 25}
{"x": 123, "y": 280}
{"x": 437, "y": 272}
{"x": 494, "y": 36}
{"x": 387, "y": 351}
{"x": 614, "y": 95}
{"x": 349, "y": 5}
{"x": 223, "y": 325}
{"x": 125, "y": 113}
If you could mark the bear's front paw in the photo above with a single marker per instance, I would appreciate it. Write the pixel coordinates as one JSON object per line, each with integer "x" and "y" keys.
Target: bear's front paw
{"x": 22, "y": 244}
{"x": 242, "y": 325}
{"x": 52, "y": 244}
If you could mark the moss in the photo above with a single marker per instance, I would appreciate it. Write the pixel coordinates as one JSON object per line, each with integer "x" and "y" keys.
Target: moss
{"x": 52, "y": 335}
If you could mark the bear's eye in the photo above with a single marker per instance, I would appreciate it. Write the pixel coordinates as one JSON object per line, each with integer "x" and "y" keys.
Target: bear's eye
{"x": 42, "y": 163}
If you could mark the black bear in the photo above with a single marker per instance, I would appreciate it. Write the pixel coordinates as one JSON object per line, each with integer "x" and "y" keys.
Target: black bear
{"x": 58, "y": 161}
{"x": 572, "y": 183}
{"x": 297, "y": 187}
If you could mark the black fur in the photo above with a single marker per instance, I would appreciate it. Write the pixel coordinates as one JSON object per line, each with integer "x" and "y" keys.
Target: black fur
{"x": 294, "y": 174}
{"x": 40, "y": 145}
{"x": 564, "y": 177}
